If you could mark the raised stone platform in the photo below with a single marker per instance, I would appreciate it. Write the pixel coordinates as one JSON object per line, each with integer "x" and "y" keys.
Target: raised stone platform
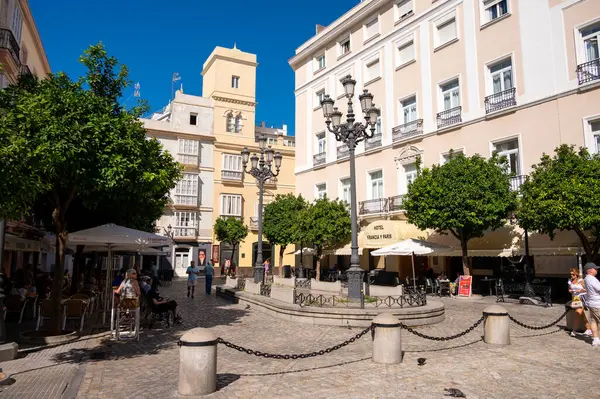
{"x": 433, "y": 312}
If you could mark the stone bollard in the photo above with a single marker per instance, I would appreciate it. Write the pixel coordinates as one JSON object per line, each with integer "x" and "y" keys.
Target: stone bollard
{"x": 197, "y": 363}
{"x": 387, "y": 345}
{"x": 496, "y": 325}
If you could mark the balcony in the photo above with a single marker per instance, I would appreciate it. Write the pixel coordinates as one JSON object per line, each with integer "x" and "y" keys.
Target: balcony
{"x": 396, "y": 203}
{"x": 502, "y": 100}
{"x": 410, "y": 129}
{"x": 373, "y": 206}
{"x": 319, "y": 159}
{"x": 343, "y": 151}
{"x": 232, "y": 176}
{"x": 254, "y": 223}
{"x": 187, "y": 159}
{"x": 449, "y": 117}
{"x": 185, "y": 232}
{"x": 185, "y": 200}
{"x": 516, "y": 182}
{"x": 373, "y": 142}
{"x": 588, "y": 71}
{"x": 238, "y": 217}
{"x": 9, "y": 43}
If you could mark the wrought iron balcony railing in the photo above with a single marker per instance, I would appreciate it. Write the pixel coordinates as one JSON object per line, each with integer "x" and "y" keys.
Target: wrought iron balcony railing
{"x": 343, "y": 151}
{"x": 185, "y": 232}
{"x": 374, "y": 141}
{"x": 232, "y": 175}
{"x": 516, "y": 181}
{"x": 588, "y": 71}
{"x": 8, "y": 42}
{"x": 395, "y": 203}
{"x": 498, "y": 101}
{"x": 449, "y": 117}
{"x": 319, "y": 159}
{"x": 407, "y": 130}
{"x": 373, "y": 206}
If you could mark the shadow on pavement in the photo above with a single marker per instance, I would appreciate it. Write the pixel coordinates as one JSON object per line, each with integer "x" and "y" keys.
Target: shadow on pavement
{"x": 307, "y": 369}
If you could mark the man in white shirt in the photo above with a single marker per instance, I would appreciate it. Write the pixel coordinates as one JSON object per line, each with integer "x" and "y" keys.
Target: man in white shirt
{"x": 592, "y": 286}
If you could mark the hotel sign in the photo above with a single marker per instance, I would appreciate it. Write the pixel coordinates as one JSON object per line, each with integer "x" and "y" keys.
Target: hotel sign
{"x": 381, "y": 233}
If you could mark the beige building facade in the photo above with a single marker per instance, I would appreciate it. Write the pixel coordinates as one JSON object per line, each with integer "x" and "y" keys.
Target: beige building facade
{"x": 229, "y": 79}
{"x": 475, "y": 76}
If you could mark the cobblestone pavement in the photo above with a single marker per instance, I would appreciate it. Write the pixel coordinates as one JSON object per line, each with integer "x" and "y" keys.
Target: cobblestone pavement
{"x": 538, "y": 364}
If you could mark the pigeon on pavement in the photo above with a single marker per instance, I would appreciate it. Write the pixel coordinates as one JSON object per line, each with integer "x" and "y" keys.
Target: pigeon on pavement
{"x": 454, "y": 392}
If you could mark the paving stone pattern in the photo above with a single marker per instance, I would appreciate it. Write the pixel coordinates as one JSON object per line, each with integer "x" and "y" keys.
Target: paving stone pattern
{"x": 538, "y": 364}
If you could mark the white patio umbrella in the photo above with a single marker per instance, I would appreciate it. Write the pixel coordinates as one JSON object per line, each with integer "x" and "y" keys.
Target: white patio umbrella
{"x": 305, "y": 251}
{"x": 412, "y": 247}
{"x": 111, "y": 236}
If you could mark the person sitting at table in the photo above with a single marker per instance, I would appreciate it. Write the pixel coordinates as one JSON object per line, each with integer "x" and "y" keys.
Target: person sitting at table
{"x": 145, "y": 284}
{"x": 163, "y": 305}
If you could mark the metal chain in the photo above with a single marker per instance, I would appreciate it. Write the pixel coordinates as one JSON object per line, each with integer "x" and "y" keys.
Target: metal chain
{"x": 295, "y": 356}
{"x": 538, "y": 327}
{"x": 461, "y": 334}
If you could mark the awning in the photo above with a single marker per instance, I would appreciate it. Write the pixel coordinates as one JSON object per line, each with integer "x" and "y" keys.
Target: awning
{"x": 383, "y": 233}
{"x": 14, "y": 243}
{"x": 346, "y": 250}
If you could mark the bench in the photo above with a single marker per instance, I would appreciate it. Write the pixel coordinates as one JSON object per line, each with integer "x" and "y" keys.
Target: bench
{"x": 517, "y": 290}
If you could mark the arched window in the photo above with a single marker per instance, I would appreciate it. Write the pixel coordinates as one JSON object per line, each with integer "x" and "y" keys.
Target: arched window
{"x": 231, "y": 123}
{"x": 238, "y": 123}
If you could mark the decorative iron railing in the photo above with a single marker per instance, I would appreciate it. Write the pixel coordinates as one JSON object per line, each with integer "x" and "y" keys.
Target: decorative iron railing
{"x": 409, "y": 299}
{"x": 320, "y": 158}
{"x": 265, "y": 290}
{"x": 373, "y": 206}
{"x": 343, "y": 151}
{"x": 449, "y": 117}
{"x": 407, "y": 130}
{"x": 588, "y": 71}
{"x": 8, "y": 42}
{"x": 373, "y": 142}
{"x": 502, "y": 100}
{"x": 395, "y": 203}
{"x": 302, "y": 283}
{"x": 232, "y": 175}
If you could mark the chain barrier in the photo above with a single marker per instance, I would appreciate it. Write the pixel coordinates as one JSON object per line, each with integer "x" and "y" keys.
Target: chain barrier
{"x": 451, "y": 337}
{"x": 538, "y": 327}
{"x": 294, "y": 356}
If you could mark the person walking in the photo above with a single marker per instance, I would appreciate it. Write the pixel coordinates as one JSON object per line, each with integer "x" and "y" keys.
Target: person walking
{"x": 192, "y": 271}
{"x": 592, "y": 286}
{"x": 209, "y": 272}
{"x": 266, "y": 265}
{"x": 576, "y": 288}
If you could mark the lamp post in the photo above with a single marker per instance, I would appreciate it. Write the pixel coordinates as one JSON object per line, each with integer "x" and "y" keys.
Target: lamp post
{"x": 261, "y": 170}
{"x": 351, "y": 133}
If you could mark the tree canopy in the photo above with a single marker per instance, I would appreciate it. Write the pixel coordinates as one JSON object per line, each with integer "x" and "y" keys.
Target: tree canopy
{"x": 326, "y": 224}
{"x": 563, "y": 193}
{"x": 231, "y": 231}
{"x": 76, "y": 144}
{"x": 281, "y": 220}
{"x": 464, "y": 197}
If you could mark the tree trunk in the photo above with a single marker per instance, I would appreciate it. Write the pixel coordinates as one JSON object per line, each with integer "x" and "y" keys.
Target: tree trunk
{"x": 465, "y": 256}
{"x": 318, "y": 269}
{"x": 55, "y": 325}
{"x": 281, "y": 251}
{"x": 78, "y": 268}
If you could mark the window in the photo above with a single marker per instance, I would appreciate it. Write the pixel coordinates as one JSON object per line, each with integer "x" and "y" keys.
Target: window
{"x": 371, "y": 28}
{"x": 271, "y": 140}
{"x": 378, "y": 126}
{"x": 409, "y": 109}
{"x": 232, "y": 162}
{"x": 186, "y": 191}
{"x": 406, "y": 52}
{"x": 345, "y": 46}
{"x": 185, "y": 224}
{"x": 495, "y": 9}
{"x": 235, "y": 82}
{"x": 321, "y": 143}
{"x": 230, "y": 123}
{"x": 319, "y": 62}
{"x": 404, "y": 8}
{"x": 510, "y": 149}
{"x": 595, "y": 128}
{"x": 446, "y": 32}
{"x": 450, "y": 95}
{"x": 188, "y": 152}
{"x": 17, "y": 22}
{"x": 321, "y": 190}
{"x": 231, "y": 205}
{"x": 446, "y": 156}
{"x": 591, "y": 40}
{"x": 372, "y": 70}
{"x": 193, "y": 119}
{"x": 238, "y": 124}
{"x": 345, "y": 190}
{"x": 410, "y": 174}
{"x": 376, "y": 183}
{"x": 501, "y": 74}
{"x": 320, "y": 97}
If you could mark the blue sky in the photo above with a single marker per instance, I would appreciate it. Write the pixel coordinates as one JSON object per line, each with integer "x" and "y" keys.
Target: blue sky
{"x": 155, "y": 39}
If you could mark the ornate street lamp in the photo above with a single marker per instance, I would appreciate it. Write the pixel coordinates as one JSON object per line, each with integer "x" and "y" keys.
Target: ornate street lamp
{"x": 351, "y": 133}
{"x": 260, "y": 169}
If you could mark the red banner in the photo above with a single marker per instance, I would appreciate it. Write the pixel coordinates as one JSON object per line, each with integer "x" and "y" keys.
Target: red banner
{"x": 215, "y": 253}
{"x": 465, "y": 285}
